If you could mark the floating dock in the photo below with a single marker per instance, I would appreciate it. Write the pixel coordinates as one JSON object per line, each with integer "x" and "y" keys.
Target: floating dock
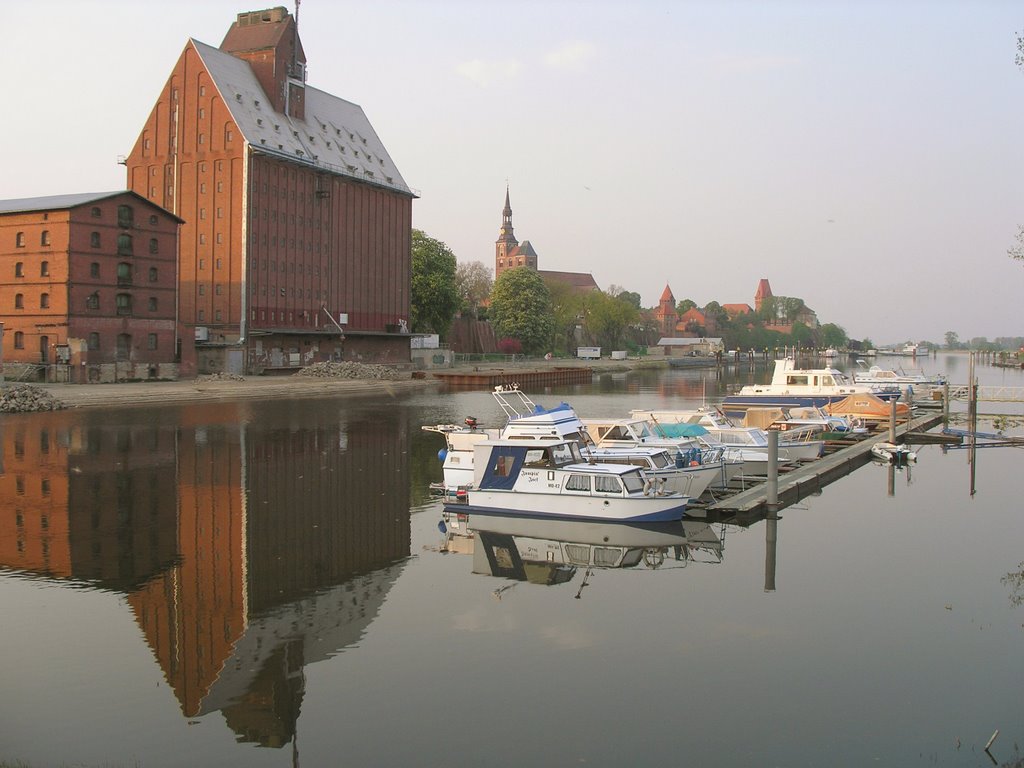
{"x": 811, "y": 477}
{"x": 524, "y": 378}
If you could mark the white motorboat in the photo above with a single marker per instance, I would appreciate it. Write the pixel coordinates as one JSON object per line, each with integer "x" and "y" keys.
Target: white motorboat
{"x": 622, "y": 433}
{"x": 551, "y": 478}
{"x": 670, "y": 472}
{"x": 801, "y": 387}
{"x": 891, "y": 452}
{"x": 876, "y": 375}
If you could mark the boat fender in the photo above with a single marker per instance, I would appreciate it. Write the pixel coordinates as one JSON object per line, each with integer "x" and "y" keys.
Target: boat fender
{"x": 442, "y": 455}
{"x": 648, "y": 483}
{"x": 694, "y": 463}
{"x": 661, "y": 487}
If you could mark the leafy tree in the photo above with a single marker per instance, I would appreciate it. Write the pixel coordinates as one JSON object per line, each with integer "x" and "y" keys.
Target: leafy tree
{"x": 685, "y": 306}
{"x": 801, "y": 335}
{"x": 473, "y": 282}
{"x": 715, "y": 311}
{"x": 769, "y": 311}
{"x": 1017, "y": 251}
{"x": 832, "y": 335}
{"x": 521, "y": 309}
{"x": 793, "y": 307}
{"x": 433, "y": 296}
{"x": 566, "y": 312}
{"x": 606, "y": 318}
{"x": 952, "y": 340}
{"x": 630, "y": 297}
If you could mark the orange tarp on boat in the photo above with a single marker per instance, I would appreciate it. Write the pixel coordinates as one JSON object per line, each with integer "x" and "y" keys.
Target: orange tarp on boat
{"x": 867, "y": 406}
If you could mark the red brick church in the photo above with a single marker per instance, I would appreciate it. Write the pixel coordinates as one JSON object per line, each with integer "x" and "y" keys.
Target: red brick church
{"x": 509, "y": 253}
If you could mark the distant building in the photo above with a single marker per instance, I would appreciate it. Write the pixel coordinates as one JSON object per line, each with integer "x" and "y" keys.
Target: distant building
{"x": 87, "y": 287}
{"x": 782, "y": 322}
{"x": 736, "y": 310}
{"x": 665, "y": 315}
{"x": 297, "y": 224}
{"x": 509, "y": 253}
{"x": 764, "y": 291}
{"x": 684, "y": 347}
{"x": 692, "y": 322}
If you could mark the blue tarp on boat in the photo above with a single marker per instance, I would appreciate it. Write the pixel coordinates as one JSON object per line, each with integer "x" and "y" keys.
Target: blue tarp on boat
{"x": 680, "y": 430}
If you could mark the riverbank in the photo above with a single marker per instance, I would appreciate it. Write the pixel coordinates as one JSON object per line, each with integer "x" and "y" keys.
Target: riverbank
{"x": 207, "y": 389}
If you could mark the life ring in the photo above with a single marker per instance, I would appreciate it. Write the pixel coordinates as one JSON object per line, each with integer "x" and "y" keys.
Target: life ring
{"x": 654, "y": 558}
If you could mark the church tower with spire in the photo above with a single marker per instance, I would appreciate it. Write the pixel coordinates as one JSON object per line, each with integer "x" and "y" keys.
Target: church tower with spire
{"x": 508, "y": 253}
{"x": 506, "y": 243}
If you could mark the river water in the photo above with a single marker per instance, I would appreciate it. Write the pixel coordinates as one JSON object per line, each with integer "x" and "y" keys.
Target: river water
{"x": 266, "y": 584}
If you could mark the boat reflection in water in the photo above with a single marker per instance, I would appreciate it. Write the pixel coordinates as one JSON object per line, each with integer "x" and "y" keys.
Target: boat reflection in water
{"x": 549, "y": 551}
{"x": 247, "y": 543}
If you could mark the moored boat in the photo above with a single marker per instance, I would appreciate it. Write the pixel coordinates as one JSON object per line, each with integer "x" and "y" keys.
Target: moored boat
{"x": 801, "y": 387}
{"x": 550, "y": 477}
{"x": 906, "y": 381}
{"x": 894, "y": 453}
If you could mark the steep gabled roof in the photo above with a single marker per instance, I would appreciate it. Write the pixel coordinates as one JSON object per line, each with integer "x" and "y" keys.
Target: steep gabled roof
{"x": 763, "y": 289}
{"x": 526, "y": 249}
{"x": 666, "y": 295}
{"x": 737, "y": 309}
{"x": 336, "y": 134}
{"x": 63, "y": 202}
{"x": 580, "y": 281}
{"x": 693, "y": 314}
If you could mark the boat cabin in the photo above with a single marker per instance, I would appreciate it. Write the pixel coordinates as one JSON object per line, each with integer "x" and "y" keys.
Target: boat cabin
{"x": 546, "y": 466}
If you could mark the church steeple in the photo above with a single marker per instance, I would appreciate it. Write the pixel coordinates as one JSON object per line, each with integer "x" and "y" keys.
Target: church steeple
{"x": 506, "y": 242}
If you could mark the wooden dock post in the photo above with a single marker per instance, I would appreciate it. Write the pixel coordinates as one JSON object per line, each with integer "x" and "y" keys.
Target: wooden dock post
{"x": 892, "y": 420}
{"x": 772, "y": 497}
{"x": 771, "y": 545}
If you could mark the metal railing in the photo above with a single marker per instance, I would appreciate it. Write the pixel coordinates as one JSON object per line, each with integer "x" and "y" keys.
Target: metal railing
{"x": 988, "y": 394}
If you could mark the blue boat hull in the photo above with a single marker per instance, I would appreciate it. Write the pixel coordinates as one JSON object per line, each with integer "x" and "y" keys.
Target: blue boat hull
{"x": 663, "y": 515}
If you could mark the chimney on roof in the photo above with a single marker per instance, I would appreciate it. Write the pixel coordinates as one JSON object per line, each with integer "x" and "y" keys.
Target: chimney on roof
{"x": 269, "y": 41}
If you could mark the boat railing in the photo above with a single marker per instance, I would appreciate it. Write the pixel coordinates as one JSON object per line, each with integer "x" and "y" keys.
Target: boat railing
{"x": 505, "y": 395}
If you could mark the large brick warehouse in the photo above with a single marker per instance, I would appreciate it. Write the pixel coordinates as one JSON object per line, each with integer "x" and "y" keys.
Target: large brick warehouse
{"x": 296, "y": 239}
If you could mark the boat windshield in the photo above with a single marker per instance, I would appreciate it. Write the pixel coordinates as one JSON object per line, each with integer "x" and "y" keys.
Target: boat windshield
{"x": 642, "y": 431}
{"x": 633, "y": 481}
{"x": 661, "y": 460}
{"x": 565, "y": 453}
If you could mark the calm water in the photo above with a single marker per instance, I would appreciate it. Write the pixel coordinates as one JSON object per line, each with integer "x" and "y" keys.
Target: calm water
{"x": 265, "y": 584}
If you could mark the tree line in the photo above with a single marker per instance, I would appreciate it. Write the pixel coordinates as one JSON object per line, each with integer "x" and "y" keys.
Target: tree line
{"x": 534, "y": 317}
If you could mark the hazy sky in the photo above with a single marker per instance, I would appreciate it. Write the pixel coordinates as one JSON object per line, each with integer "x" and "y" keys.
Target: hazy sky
{"x": 864, "y": 156}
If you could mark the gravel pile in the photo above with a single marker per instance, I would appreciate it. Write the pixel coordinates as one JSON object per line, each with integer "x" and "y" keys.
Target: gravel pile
{"x": 331, "y": 370}
{"x": 220, "y": 377}
{"x": 23, "y": 398}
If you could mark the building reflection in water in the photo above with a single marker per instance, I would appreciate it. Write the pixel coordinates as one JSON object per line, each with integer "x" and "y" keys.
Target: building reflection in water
{"x": 250, "y": 541}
